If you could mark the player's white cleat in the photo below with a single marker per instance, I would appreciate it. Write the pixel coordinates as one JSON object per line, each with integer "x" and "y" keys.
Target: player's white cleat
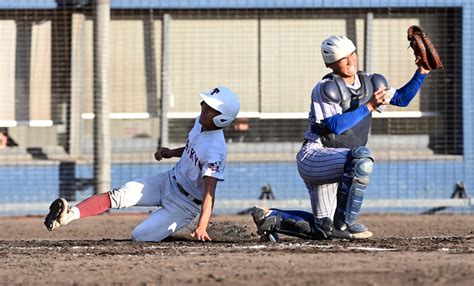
{"x": 60, "y": 214}
{"x": 362, "y": 235}
{"x": 359, "y": 231}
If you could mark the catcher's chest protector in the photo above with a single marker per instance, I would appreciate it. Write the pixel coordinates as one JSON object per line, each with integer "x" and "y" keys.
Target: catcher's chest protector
{"x": 350, "y": 99}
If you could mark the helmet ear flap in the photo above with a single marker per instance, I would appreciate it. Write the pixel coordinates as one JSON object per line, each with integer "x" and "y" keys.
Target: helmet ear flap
{"x": 222, "y": 120}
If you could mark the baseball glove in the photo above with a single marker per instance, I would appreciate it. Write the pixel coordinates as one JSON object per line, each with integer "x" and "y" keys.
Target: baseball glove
{"x": 423, "y": 48}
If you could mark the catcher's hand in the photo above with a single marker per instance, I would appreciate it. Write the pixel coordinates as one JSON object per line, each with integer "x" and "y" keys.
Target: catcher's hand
{"x": 425, "y": 52}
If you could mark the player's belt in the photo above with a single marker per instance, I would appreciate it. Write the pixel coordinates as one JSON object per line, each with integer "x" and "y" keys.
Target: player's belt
{"x": 183, "y": 191}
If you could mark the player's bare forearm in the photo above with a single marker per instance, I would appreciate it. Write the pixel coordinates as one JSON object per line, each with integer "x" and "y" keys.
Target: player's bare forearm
{"x": 178, "y": 152}
{"x": 206, "y": 210}
{"x": 166, "y": 153}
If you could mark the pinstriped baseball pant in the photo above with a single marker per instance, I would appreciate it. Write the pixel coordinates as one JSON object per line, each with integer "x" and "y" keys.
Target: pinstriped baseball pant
{"x": 321, "y": 169}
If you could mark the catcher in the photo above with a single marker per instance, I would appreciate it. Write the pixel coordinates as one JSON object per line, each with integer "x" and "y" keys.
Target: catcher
{"x": 334, "y": 162}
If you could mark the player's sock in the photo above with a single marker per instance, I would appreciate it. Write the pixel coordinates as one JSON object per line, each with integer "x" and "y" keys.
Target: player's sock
{"x": 94, "y": 205}
{"x": 76, "y": 213}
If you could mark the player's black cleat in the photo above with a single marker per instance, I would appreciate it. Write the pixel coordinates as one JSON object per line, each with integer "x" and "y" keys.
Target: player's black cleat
{"x": 55, "y": 210}
{"x": 324, "y": 229}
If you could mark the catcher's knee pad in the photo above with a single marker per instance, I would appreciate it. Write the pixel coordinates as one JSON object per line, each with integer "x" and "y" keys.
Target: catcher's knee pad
{"x": 354, "y": 184}
{"x": 358, "y": 153}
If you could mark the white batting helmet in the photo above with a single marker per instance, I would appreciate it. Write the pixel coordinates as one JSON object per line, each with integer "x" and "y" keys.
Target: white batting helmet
{"x": 223, "y": 100}
{"x": 335, "y": 48}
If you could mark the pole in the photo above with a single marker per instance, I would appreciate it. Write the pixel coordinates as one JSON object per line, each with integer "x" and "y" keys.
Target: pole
{"x": 368, "y": 42}
{"x": 164, "y": 138}
{"x": 102, "y": 142}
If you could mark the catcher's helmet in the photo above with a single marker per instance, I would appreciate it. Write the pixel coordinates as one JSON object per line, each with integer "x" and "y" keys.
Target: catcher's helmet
{"x": 223, "y": 100}
{"x": 335, "y": 48}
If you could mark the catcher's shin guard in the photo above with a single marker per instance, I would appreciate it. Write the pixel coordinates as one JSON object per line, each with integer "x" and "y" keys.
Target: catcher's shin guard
{"x": 59, "y": 214}
{"x": 351, "y": 190}
{"x": 303, "y": 229}
{"x": 271, "y": 222}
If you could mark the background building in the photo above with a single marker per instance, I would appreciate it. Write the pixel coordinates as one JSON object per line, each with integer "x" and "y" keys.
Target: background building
{"x": 267, "y": 51}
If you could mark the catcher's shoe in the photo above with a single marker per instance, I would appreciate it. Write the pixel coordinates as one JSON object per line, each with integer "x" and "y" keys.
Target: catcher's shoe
{"x": 323, "y": 229}
{"x": 356, "y": 230}
{"x": 266, "y": 224}
{"x": 60, "y": 214}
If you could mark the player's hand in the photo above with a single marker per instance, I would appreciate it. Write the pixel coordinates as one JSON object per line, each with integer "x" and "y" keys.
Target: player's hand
{"x": 380, "y": 97}
{"x": 163, "y": 152}
{"x": 201, "y": 234}
{"x": 422, "y": 70}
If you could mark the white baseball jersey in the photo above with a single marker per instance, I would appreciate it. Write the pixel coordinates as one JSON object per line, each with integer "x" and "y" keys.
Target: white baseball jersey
{"x": 204, "y": 155}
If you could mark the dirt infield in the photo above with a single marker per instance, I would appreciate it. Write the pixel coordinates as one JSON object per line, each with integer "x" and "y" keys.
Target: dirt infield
{"x": 405, "y": 250}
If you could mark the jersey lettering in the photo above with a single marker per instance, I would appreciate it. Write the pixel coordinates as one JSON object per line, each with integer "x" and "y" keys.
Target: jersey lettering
{"x": 193, "y": 156}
